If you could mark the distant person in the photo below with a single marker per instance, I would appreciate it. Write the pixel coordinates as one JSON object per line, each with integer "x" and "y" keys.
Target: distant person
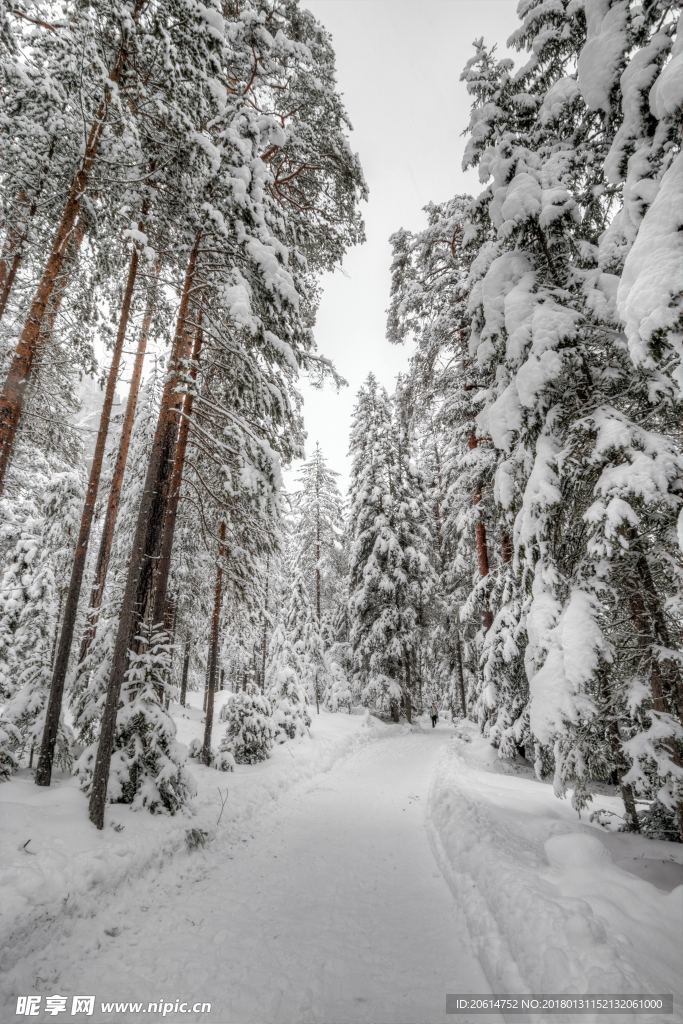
{"x": 434, "y": 712}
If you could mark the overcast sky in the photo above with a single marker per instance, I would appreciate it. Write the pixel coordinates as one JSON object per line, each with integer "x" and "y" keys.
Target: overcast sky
{"x": 399, "y": 65}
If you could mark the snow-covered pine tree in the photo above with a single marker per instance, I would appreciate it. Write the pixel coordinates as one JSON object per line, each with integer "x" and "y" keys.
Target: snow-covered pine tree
{"x": 249, "y": 733}
{"x": 148, "y": 766}
{"x": 390, "y": 575}
{"x": 38, "y": 539}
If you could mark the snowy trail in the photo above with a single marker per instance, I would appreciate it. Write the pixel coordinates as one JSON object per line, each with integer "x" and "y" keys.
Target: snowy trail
{"x": 332, "y": 910}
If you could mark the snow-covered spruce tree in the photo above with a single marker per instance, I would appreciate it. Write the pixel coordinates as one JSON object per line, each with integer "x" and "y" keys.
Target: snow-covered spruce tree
{"x": 286, "y": 674}
{"x": 249, "y": 733}
{"x": 318, "y": 526}
{"x": 414, "y": 526}
{"x": 429, "y": 307}
{"x": 389, "y": 570}
{"x": 643, "y": 245}
{"x": 148, "y": 766}
{"x": 370, "y": 599}
{"x": 298, "y": 644}
{"x": 338, "y": 695}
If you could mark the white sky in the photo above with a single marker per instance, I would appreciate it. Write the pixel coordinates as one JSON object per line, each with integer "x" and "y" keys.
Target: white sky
{"x": 398, "y": 64}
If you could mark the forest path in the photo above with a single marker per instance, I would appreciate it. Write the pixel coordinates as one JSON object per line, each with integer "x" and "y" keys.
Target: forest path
{"x": 333, "y": 910}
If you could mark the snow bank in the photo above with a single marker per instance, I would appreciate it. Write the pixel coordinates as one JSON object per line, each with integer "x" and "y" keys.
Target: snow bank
{"x": 53, "y": 863}
{"x": 548, "y": 908}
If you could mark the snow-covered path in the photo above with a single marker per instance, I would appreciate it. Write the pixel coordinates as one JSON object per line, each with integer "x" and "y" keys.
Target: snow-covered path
{"x": 332, "y": 910}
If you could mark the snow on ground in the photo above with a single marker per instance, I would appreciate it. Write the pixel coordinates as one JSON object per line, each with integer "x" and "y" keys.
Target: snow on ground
{"x": 355, "y": 877}
{"x": 53, "y": 863}
{"x": 552, "y": 903}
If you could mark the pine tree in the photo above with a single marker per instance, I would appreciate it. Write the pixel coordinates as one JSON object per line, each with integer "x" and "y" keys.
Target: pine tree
{"x": 147, "y": 765}
{"x": 249, "y": 732}
{"x": 40, "y": 547}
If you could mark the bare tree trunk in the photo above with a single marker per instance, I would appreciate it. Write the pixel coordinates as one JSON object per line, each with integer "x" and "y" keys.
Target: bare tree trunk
{"x": 32, "y": 335}
{"x": 213, "y": 647}
{"x": 114, "y": 498}
{"x": 147, "y": 532}
{"x": 186, "y": 668}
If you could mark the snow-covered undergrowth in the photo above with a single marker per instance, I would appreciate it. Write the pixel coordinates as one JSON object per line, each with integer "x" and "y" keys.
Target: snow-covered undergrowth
{"x": 553, "y": 904}
{"x": 54, "y": 863}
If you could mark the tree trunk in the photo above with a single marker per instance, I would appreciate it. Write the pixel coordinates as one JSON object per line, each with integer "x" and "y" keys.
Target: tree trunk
{"x": 114, "y": 498}
{"x": 169, "y": 629}
{"x": 481, "y": 542}
{"x": 32, "y": 335}
{"x": 12, "y": 250}
{"x": 17, "y": 233}
{"x": 163, "y": 565}
{"x": 213, "y": 647}
{"x": 459, "y": 671}
{"x": 186, "y": 668}
{"x": 651, "y": 627}
{"x": 407, "y": 692}
{"x": 264, "y": 633}
{"x": 147, "y": 531}
{"x": 54, "y": 705}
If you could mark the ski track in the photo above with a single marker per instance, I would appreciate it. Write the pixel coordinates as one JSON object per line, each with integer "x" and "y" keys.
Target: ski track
{"x": 331, "y": 910}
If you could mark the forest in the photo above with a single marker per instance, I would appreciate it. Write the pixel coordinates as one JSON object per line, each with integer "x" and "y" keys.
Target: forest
{"x": 177, "y": 182}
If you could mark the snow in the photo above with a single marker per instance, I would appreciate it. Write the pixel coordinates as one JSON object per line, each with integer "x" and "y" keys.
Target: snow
{"x": 356, "y": 876}
{"x": 558, "y": 690}
{"x": 603, "y": 53}
{"x": 553, "y": 903}
{"x": 650, "y": 290}
{"x": 666, "y": 98}
{"x": 51, "y": 858}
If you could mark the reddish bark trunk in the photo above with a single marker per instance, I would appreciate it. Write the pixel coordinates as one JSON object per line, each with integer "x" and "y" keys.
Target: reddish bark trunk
{"x": 163, "y": 566}
{"x": 54, "y": 704}
{"x": 147, "y": 533}
{"x": 213, "y": 647}
{"x": 17, "y": 235}
{"x": 114, "y": 498}
{"x": 12, "y": 251}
